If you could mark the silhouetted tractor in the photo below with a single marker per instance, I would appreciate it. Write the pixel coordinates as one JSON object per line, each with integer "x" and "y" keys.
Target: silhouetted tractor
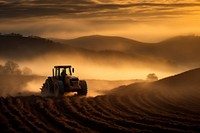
{"x": 63, "y": 81}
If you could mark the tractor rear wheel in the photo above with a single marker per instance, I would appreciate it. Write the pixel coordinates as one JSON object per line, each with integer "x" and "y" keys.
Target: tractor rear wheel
{"x": 48, "y": 87}
{"x": 43, "y": 89}
{"x": 83, "y": 91}
{"x": 59, "y": 89}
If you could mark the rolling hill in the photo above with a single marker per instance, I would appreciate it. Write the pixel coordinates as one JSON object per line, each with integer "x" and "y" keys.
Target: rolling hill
{"x": 188, "y": 79}
{"x": 15, "y": 46}
{"x": 181, "y": 50}
{"x": 103, "y": 43}
{"x": 176, "y": 52}
{"x": 186, "y": 83}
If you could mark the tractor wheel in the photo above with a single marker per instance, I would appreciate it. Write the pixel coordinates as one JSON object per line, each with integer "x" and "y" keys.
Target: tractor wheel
{"x": 48, "y": 87}
{"x": 43, "y": 89}
{"x": 59, "y": 89}
{"x": 83, "y": 91}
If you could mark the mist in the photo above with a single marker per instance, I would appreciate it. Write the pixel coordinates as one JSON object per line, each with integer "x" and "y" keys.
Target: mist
{"x": 133, "y": 62}
{"x": 181, "y": 89}
{"x": 108, "y": 68}
{"x": 100, "y": 75}
{"x": 15, "y": 81}
{"x": 19, "y": 85}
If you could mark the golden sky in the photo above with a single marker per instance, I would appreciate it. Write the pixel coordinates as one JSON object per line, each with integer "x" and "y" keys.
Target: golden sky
{"x": 144, "y": 20}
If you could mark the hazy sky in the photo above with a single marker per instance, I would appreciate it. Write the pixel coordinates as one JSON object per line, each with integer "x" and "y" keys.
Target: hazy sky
{"x": 145, "y": 20}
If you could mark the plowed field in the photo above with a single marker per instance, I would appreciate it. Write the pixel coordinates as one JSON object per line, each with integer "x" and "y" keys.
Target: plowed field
{"x": 140, "y": 111}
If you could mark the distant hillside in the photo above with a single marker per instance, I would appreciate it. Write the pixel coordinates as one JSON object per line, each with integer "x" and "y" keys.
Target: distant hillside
{"x": 186, "y": 82}
{"x": 102, "y": 43}
{"x": 176, "y": 52}
{"x": 181, "y": 50}
{"x": 18, "y": 47}
{"x": 15, "y": 46}
{"x": 188, "y": 79}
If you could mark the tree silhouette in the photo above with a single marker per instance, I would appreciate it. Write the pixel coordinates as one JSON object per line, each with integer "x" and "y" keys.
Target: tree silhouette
{"x": 152, "y": 77}
{"x": 12, "y": 68}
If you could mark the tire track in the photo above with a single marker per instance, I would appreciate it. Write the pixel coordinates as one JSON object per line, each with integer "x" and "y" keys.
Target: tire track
{"x": 98, "y": 126}
{"x": 12, "y": 117}
{"x": 53, "y": 120}
{"x": 167, "y": 104}
{"x": 56, "y": 110}
{"x": 32, "y": 120}
{"x": 5, "y": 125}
{"x": 27, "y": 122}
{"x": 164, "y": 117}
{"x": 140, "y": 112}
{"x": 32, "y": 105}
{"x": 147, "y": 123}
{"x": 183, "y": 124}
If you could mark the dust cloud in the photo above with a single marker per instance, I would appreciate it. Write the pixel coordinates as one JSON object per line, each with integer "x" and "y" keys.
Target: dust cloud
{"x": 15, "y": 81}
{"x": 14, "y": 85}
{"x": 96, "y": 67}
{"x": 102, "y": 74}
{"x": 107, "y": 69}
{"x": 180, "y": 89}
{"x": 102, "y": 87}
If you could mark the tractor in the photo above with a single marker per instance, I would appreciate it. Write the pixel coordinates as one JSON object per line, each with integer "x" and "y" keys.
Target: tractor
{"x": 63, "y": 81}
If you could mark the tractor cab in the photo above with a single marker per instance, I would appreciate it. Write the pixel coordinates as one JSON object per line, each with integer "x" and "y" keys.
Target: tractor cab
{"x": 58, "y": 71}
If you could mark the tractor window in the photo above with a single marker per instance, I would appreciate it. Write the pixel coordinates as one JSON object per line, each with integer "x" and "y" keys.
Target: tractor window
{"x": 68, "y": 71}
{"x": 57, "y": 72}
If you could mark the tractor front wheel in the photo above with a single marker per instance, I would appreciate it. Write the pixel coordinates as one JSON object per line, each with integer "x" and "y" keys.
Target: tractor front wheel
{"x": 83, "y": 91}
{"x": 59, "y": 89}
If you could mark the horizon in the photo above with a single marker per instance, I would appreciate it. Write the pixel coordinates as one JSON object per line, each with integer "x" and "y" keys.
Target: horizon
{"x": 150, "y": 21}
{"x": 99, "y": 35}
{"x": 133, "y": 39}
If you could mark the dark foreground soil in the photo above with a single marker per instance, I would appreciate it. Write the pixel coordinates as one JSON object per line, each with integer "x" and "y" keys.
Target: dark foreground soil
{"x": 140, "y": 111}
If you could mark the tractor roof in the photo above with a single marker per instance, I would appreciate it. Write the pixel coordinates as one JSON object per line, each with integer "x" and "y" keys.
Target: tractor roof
{"x": 62, "y": 66}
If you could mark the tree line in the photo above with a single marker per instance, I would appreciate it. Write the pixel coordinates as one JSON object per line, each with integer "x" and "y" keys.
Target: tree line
{"x": 12, "y": 68}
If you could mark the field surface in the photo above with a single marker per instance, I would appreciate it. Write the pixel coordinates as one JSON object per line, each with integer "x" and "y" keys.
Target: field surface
{"x": 167, "y": 105}
{"x": 110, "y": 113}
